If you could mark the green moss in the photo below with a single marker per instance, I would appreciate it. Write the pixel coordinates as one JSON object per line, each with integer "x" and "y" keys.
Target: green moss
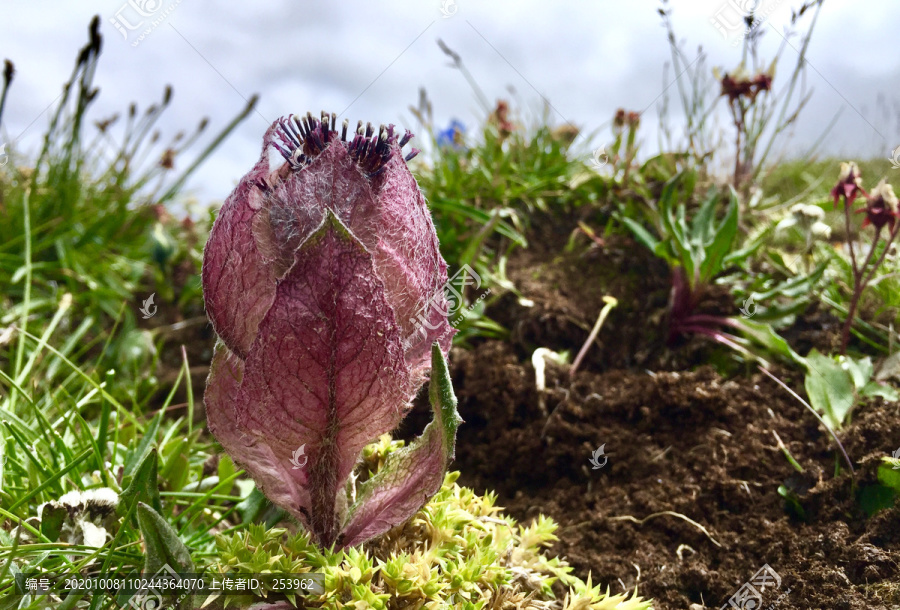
{"x": 459, "y": 549}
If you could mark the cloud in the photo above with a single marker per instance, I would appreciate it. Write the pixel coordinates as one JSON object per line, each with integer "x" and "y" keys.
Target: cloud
{"x": 586, "y": 59}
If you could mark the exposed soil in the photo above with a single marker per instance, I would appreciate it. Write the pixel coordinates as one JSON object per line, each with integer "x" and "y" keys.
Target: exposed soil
{"x": 688, "y": 442}
{"x": 678, "y": 437}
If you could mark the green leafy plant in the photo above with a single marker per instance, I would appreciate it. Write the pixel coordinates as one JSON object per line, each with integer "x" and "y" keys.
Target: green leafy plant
{"x": 884, "y": 492}
{"x": 698, "y": 249}
{"x": 82, "y": 422}
{"x": 53, "y": 240}
{"x": 835, "y": 384}
{"x": 84, "y": 481}
{"x": 486, "y": 185}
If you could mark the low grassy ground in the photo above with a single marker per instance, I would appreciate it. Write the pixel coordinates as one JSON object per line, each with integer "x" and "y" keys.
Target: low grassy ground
{"x": 104, "y": 350}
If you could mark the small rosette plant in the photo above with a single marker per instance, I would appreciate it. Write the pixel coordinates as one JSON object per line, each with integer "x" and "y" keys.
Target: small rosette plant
{"x": 323, "y": 279}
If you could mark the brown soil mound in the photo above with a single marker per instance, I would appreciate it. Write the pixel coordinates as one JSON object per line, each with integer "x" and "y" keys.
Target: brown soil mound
{"x": 686, "y": 506}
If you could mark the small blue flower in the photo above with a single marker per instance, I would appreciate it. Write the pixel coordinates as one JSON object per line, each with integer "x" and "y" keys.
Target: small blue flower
{"x": 452, "y": 137}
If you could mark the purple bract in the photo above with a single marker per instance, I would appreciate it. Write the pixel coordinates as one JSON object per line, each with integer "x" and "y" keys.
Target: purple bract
{"x": 316, "y": 275}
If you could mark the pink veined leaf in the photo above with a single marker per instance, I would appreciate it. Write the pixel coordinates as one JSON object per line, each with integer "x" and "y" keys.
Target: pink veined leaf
{"x": 238, "y": 284}
{"x": 324, "y": 280}
{"x": 273, "y": 475}
{"x": 408, "y": 479}
{"x": 325, "y": 371}
{"x": 411, "y": 475}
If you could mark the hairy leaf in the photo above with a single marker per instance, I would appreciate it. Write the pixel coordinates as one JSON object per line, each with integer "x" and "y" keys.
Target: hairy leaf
{"x": 324, "y": 280}
{"x": 413, "y": 474}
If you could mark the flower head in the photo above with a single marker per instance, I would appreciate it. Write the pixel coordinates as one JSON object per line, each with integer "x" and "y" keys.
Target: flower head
{"x": 806, "y": 213}
{"x": 808, "y": 218}
{"x": 500, "y": 118}
{"x": 762, "y": 82}
{"x": 739, "y": 84}
{"x": 565, "y": 134}
{"x": 452, "y": 137}
{"x": 881, "y": 206}
{"x": 849, "y": 184}
{"x": 820, "y": 230}
{"x": 734, "y": 87}
{"x": 625, "y": 118}
{"x": 314, "y": 274}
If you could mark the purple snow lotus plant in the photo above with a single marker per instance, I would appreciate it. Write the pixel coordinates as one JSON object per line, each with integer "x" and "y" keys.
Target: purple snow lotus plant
{"x": 323, "y": 279}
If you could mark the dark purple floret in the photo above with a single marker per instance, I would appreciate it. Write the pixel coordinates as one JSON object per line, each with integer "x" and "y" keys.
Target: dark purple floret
{"x": 301, "y": 140}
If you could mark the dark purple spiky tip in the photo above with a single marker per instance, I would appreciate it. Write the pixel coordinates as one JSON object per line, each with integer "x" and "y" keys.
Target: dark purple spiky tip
{"x": 304, "y": 138}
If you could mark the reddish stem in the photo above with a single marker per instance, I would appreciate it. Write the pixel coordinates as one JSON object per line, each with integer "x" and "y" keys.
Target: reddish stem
{"x": 861, "y": 279}
{"x": 723, "y": 338}
{"x": 849, "y": 237}
{"x": 738, "y": 113}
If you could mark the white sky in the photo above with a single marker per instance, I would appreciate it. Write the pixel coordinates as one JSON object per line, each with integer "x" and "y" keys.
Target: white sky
{"x": 370, "y": 58}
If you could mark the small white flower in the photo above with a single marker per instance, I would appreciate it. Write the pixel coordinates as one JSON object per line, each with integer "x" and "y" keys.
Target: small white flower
{"x": 820, "y": 230}
{"x": 92, "y": 534}
{"x": 886, "y": 191}
{"x": 805, "y": 211}
{"x": 807, "y": 218}
{"x": 850, "y": 171}
{"x": 100, "y": 501}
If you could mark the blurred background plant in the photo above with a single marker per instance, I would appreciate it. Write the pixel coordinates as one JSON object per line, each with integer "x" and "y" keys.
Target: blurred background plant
{"x": 760, "y": 113}
{"x": 89, "y": 216}
{"x": 488, "y": 187}
{"x": 84, "y": 231}
{"x": 881, "y": 211}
